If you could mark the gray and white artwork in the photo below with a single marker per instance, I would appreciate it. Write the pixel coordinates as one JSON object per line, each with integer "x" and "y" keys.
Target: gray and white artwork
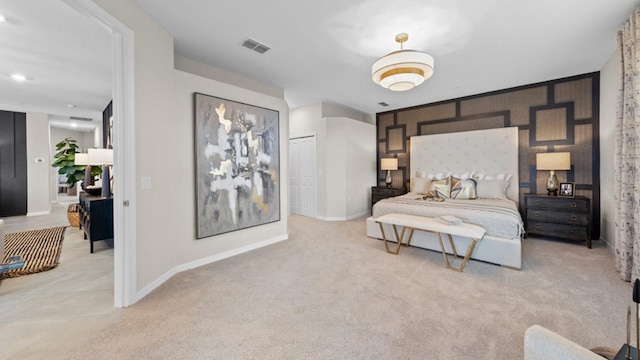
{"x": 237, "y": 165}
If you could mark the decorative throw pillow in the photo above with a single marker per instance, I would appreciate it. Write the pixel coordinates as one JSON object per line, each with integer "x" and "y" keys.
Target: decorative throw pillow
{"x": 463, "y": 189}
{"x": 420, "y": 185}
{"x": 441, "y": 188}
{"x": 492, "y": 189}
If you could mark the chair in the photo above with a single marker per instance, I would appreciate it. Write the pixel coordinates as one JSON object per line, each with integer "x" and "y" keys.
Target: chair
{"x": 14, "y": 262}
{"x": 544, "y": 344}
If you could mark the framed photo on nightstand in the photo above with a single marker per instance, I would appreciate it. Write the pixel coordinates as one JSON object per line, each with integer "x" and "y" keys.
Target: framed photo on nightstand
{"x": 566, "y": 189}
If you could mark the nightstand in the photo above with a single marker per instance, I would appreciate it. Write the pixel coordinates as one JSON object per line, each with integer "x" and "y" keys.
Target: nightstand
{"x": 382, "y": 192}
{"x": 558, "y": 216}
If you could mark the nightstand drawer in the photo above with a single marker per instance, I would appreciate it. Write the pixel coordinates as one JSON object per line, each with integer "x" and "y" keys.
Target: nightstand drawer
{"x": 559, "y": 203}
{"x": 388, "y": 192}
{"x": 558, "y": 217}
{"x": 563, "y": 231}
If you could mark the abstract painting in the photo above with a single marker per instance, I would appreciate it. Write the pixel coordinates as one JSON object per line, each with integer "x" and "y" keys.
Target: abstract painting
{"x": 237, "y": 165}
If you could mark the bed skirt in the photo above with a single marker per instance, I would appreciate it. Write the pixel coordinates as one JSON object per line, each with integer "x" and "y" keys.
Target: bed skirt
{"x": 504, "y": 252}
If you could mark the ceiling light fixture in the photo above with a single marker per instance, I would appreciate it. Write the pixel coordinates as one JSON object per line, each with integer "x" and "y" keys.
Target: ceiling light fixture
{"x": 403, "y": 69}
{"x": 2, "y": 18}
{"x": 18, "y": 77}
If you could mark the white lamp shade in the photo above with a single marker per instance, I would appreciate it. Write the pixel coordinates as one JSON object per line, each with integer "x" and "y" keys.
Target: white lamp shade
{"x": 389, "y": 164}
{"x": 101, "y": 156}
{"x": 402, "y": 70}
{"x": 553, "y": 161}
{"x": 81, "y": 159}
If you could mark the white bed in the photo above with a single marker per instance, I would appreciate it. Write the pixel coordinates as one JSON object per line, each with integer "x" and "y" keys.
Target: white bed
{"x": 490, "y": 152}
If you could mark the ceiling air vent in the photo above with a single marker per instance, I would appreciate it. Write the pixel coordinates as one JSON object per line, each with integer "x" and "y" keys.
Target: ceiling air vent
{"x": 255, "y": 46}
{"x": 382, "y": 103}
{"x": 80, "y": 118}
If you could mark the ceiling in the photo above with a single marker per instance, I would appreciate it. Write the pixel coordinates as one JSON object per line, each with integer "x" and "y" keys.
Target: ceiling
{"x": 66, "y": 58}
{"x": 321, "y": 51}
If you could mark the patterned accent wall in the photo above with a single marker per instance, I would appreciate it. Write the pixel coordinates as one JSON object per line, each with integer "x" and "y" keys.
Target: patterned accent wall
{"x": 553, "y": 116}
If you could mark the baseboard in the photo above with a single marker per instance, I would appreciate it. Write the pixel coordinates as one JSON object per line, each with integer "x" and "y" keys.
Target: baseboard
{"x": 204, "y": 261}
{"x": 607, "y": 244}
{"x": 343, "y": 218}
{"x": 38, "y": 213}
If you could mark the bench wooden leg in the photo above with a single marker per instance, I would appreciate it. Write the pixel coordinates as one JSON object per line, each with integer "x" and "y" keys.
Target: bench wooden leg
{"x": 399, "y": 238}
{"x": 467, "y": 255}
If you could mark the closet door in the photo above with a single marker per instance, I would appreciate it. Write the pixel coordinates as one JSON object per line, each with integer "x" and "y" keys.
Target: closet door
{"x": 13, "y": 163}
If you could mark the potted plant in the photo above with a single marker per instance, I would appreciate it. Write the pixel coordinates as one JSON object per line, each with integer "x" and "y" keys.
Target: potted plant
{"x": 64, "y": 160}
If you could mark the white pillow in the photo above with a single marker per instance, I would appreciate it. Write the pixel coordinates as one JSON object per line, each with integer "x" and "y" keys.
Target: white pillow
{"x": 485, "y": 176}
{"x": 420, "y": 185}
{"x": 492, "y": 189}
{"x": 462, "y": 176}
{"x": 431, "y": 176}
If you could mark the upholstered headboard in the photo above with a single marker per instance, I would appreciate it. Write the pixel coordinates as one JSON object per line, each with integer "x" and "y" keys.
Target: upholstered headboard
{"x": 492, "y": 151}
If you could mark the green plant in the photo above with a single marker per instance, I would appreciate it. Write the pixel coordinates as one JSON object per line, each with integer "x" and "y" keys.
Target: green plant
{"x": 64, "y": 160}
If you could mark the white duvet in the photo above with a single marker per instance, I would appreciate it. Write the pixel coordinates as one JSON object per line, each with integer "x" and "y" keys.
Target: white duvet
{"x": 499, "y": 217}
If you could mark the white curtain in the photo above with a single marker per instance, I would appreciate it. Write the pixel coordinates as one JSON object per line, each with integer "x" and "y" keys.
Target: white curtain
{"x": 626, "y": 162}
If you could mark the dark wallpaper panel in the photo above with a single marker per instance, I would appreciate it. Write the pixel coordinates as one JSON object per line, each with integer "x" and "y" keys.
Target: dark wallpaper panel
{"x": 557, "y": 115}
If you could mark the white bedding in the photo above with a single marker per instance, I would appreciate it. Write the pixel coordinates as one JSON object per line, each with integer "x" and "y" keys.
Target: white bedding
{"x": 499, "y": 217}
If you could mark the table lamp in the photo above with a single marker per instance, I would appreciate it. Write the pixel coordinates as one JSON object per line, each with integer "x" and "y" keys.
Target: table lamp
{"x": 553, "y": 161}
{"x": 83, "y": 159}
{"x": 105, "y": 158}
{"x": 388, "y": 165}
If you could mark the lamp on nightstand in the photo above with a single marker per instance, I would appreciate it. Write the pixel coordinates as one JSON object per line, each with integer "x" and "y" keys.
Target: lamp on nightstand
{"x": 388, "y": 165}
{"x": 553, "y": 161}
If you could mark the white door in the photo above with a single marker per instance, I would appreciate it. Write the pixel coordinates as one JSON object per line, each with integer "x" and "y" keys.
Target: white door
{"x": 302, "y": 181}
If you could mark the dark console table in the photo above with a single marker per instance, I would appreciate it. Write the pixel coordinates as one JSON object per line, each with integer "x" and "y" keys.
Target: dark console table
{"x": 96, "y": 218}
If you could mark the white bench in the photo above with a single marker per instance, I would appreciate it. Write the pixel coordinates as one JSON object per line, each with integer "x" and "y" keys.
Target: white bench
{"x": 421, "y": 223}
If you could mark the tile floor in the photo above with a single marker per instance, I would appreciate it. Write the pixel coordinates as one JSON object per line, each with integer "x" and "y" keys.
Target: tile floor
{"x": 43, "y": 314}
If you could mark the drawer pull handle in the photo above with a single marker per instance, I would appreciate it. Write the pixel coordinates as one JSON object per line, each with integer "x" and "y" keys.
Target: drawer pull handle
{"x": 574, "y": 217}
{"x": 574, "y": 230}
{"x": 574, "y": 205}
{"x": 537, "y": 213}
{"x": 537, "y": 226}
{"x": 537, "y": 202}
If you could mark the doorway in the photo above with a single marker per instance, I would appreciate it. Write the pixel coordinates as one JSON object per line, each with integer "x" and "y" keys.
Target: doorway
{"x": 302, "y": 178}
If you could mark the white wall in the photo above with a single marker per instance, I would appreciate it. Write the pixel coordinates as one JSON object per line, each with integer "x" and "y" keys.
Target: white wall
{"x": 164, "y": 146}
{"x": 609, "y": 84}
{"x": 38, "y": 164}
{"x": 346, "y": 155}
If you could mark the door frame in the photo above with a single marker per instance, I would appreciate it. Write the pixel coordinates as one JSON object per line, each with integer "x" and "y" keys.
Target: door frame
{"x": 123, "y": 94}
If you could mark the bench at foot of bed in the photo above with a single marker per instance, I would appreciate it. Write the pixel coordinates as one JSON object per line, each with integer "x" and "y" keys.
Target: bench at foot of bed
{"x": 426, "y": 224}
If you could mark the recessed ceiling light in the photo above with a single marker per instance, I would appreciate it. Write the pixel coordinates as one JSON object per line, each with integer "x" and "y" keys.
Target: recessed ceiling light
{"x": 73, "y": 125}
{"x": 2, "y": 19}
{"x": 18, "y": 77}
{"x": 71, "y": 106}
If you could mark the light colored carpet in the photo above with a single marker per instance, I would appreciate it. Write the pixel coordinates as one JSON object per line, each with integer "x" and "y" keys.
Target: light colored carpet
{"x": 332, "y": 293}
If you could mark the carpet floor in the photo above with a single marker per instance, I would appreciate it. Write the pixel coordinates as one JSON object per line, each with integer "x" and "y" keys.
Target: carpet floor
{"x": 330, "y": 292}
{"x": 39, "y": 249}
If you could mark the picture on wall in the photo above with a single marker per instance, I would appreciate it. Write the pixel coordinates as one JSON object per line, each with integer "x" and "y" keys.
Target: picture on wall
{"x": 237, "y": 165}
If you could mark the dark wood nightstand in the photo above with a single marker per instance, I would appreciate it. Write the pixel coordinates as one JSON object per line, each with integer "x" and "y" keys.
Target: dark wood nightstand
{"x": 558, "y": 216}
{"x": 382, "y": 192}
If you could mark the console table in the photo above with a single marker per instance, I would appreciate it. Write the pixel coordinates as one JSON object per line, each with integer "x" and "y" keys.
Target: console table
{"x": 96, "y": 218}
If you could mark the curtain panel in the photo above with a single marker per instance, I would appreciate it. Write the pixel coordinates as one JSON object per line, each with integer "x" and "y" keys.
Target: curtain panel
{"x": 626, "y": 162}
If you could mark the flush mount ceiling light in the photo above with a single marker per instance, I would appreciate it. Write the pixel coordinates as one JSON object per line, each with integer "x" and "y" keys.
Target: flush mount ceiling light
{"x": 403, "y": 69}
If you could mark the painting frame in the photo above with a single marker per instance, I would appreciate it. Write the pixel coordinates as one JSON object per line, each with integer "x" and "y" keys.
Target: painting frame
{"x": 237, "y": 165}
{"x": 566, "y": 189}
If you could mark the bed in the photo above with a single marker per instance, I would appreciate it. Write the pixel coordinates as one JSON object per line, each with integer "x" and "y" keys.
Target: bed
{"x": 490, "y": 158}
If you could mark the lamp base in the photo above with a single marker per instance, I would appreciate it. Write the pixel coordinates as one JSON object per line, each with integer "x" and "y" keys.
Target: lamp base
{"x": 388, "y": 180}
{"x": 106, "y": 182}
{"x": 552, "y": 184}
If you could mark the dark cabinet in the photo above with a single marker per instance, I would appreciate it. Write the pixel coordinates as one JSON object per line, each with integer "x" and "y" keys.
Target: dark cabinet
{"x": 557, "y": 216}
{"x": 380, "y": 192}
{"x": 96, "y": 218}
